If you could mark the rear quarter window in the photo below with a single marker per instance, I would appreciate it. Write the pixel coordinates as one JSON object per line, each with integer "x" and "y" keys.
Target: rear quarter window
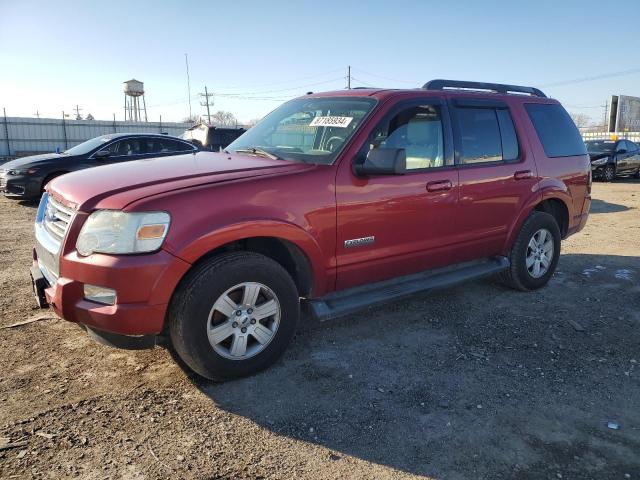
{"x": 556, "y": 131}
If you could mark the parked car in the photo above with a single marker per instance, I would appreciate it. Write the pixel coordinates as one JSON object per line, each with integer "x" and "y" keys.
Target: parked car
{"x": 211, "y": 137}
{"x": 610, "y": 158}
{"x": 342, "y": 199}
{"x": 25, "y": 178}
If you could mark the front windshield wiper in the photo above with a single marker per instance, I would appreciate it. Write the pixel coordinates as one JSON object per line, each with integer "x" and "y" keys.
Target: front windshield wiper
{"x": 260, "y": 152}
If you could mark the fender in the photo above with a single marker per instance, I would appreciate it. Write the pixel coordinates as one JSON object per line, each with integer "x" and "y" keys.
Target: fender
{"x": 528, "y": 205}
{"x": 548, "y": 188}
{"x": 261, "y": 228}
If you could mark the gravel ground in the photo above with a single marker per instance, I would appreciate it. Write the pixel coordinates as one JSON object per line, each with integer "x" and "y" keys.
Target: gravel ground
{"x": 476, "y": 381}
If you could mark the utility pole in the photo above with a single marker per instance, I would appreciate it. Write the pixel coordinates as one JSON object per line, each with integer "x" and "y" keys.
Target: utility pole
{"x": 186, "y": 61}
{"x": 206, "y": 102}
{"x": 78, "y": 110}
{"x": 37, "y": 114}
{"x": 349, "y": 77}
{"x": 605, "y": 123}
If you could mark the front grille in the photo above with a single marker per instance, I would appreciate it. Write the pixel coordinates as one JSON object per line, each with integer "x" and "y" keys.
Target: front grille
{"x": 57, "y": 219}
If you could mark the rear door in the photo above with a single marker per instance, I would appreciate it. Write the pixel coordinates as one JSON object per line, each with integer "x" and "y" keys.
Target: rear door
{"x": 497, "y": 175}
{"x": 393, "y": 225}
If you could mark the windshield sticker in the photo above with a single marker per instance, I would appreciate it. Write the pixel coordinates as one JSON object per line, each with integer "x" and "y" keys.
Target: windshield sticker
{"x": 340, "y": 122}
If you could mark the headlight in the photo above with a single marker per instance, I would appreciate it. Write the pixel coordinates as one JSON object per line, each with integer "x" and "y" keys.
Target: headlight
{"x": 116, "y": 232}
{"x": 24, "y": 171}
{"x": 600, "y": 161}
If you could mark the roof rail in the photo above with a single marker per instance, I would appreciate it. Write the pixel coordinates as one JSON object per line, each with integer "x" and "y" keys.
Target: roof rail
{"x": 492, "y": 87}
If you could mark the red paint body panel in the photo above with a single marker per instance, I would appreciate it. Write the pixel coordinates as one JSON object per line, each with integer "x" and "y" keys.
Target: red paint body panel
{"x": 215, "y": 199}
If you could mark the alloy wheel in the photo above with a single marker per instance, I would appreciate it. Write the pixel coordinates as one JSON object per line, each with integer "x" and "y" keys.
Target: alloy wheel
{"x": 243, "y": 321}
{"x": 539, "y": 253}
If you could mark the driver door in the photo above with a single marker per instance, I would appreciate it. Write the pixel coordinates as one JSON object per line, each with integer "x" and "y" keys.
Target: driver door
{"x": 394, "y": 225}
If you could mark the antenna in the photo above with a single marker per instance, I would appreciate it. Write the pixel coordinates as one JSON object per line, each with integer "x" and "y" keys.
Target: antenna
{"x": 186, "y": 61}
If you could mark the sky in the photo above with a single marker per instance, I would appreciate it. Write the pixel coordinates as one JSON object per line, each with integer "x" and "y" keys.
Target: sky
{"x": 254, "y": 55}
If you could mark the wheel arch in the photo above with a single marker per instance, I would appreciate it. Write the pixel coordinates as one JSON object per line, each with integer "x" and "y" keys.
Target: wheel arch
{"x": 290, "y": 245}
{"x": 554, "y": 201}
{"x": 286, "y": 253}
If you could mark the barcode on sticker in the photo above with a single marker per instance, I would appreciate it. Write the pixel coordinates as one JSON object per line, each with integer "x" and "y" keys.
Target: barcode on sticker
{"x": 340, "y": 122}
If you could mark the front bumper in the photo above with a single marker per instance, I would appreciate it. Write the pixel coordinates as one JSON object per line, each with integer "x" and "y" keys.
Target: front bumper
{"x": 20, "y": 187}
{"x": 143, "y": 284}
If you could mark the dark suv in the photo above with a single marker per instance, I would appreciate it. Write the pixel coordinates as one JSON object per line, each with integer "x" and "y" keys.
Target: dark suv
{"x": 211, "y": 137}
{"x": 24, "y": 178}
{"x": 340, "y": 200}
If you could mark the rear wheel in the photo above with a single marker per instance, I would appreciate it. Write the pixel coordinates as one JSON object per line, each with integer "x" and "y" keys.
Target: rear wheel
{"x": 609, "y": 173}
{"x": 534, "y": 254}
{"x": 234, "y": 315}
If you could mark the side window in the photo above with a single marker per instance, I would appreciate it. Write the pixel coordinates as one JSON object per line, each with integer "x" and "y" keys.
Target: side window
{"x": 557, "y": 132}
{"x": 173, "y": 146}
{"x": 113, "y": 148}
{"x": 416, "y": 129}
{"x": 153, "y": 146}
{"x": 632, "y": 147}
{"x": 480, "y": 139}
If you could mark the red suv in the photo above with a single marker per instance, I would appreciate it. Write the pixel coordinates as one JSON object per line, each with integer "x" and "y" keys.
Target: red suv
{"x": 340, "y": 200}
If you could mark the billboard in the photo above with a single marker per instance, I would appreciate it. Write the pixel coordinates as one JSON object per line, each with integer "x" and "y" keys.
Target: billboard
{"x": 625, "y": 114}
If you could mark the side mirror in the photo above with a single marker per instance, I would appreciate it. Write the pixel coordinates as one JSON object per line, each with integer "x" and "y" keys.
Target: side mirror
{"x": 102, "y": 154}
{"x": 383, "y": 161}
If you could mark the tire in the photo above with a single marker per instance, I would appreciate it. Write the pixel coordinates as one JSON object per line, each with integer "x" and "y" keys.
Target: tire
{"x": 609, "y": 173}
{"x": 194, "y": 317}
{"x": 47, "y": 179}
{"x": 519, "y": 275}
{"x": 637, "y": 174}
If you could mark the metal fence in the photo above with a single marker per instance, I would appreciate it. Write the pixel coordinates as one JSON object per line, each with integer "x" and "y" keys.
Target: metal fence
{"x": 20, "y": 136}
{"x": 633, "y": 136}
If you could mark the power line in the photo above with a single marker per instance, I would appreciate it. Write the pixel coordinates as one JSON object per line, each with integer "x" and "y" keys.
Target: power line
{"x": 293, "y": 80}
{"x": 622, "y": 73}
{"x": 386, "y": 78}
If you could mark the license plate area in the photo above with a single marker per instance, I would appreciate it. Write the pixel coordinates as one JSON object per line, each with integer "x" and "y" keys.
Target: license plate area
{"x": 39, "y": 284}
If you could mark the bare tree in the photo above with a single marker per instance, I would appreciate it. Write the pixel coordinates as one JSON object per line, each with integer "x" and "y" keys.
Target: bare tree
{"x": 580, "y": 119}
{"x": 193, "y": 119}
{"x": 89, "y": 117}
{"x": 252, "y": 122}
{"x": 224, "y": 118}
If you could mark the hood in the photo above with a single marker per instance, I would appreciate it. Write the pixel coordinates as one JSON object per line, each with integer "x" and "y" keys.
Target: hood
{"x": 30, "y": 160}
{"x": 116, "y": 185}
{"x": 597, "y": 156}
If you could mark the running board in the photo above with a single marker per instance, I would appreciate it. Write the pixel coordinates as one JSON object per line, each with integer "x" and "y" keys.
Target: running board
{"x": 344, "y": 302}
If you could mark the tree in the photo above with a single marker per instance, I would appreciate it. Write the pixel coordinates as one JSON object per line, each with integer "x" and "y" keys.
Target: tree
{"x": 252, "y": 122}
{"x": 224, "y": 118}
{"x": 193, "y": 119}
{"x": 580, "y": 119}
{"x": 89, "y": 117}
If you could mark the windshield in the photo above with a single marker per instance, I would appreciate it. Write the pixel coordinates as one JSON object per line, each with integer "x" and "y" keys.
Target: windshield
{"x": 600, "y": 146}
{"x": 86, "y": 147}
{"x": 311, "y": 130}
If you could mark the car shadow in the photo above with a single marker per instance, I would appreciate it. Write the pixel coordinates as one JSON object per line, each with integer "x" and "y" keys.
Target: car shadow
{"x": 600, "y": 206}
{"x": 475, "y": 378}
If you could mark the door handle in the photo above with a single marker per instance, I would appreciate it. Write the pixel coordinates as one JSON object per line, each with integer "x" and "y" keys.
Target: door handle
{"x": 523, "y": 175}
{"x": 439, "y": 186}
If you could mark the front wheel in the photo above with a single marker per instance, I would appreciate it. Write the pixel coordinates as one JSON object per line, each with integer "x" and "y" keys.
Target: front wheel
{"x": 609, "y": 173}
{"x": 234, "y": 315}
{"x": 534, "y": 254}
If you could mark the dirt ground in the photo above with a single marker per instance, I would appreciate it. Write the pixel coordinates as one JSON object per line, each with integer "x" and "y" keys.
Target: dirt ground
{"x": 476, "y": 381}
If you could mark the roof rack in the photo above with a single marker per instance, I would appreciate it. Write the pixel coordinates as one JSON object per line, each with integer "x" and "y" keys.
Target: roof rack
{"x": 492, "y": 87}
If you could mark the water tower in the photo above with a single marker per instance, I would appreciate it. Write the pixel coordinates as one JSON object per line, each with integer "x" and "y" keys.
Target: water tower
{"x": 133, "y": 92}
